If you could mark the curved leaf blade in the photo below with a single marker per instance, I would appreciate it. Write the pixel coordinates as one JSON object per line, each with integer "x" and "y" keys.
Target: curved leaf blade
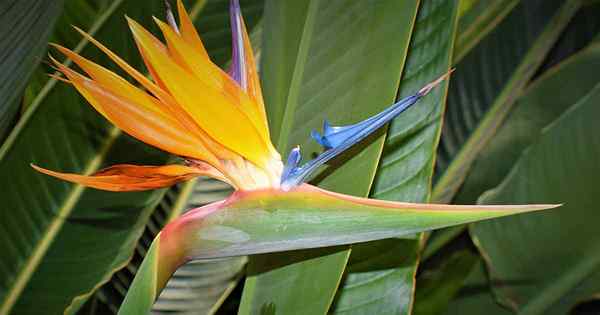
{"x": 474, "y": 111}
{"x": 534, "y": 272}
{"x": 544, "y": 101}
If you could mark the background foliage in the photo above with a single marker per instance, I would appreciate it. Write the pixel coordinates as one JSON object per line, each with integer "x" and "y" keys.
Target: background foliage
{"x": 516, "y": 124}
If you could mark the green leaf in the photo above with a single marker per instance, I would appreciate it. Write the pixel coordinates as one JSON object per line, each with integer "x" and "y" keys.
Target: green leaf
{"x": 533, "y": 270}
{"x": 489, "y": 169}
{"x": 52, "y": 224}
{"x": 380, "y": 276}
{"x": 475, "y": 297}
{"x": 26, "y": 25}
{"x": 200, "y": 286}
{"x": 272, "y": 220}
{"x": 324, "y": 60}
{"x": 483, "y": 90}
{"x": 437, "y": 287}
{"x": 82, "y": 13}
{"x": 545, "y": 100}
{"x": 477, "y": 21}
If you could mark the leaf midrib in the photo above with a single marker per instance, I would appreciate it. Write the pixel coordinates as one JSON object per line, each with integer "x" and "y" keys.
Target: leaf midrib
{"x": 297, "y": 76}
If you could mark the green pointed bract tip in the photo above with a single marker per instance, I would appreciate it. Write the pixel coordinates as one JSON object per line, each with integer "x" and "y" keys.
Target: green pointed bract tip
{"x": 272, "y": 220}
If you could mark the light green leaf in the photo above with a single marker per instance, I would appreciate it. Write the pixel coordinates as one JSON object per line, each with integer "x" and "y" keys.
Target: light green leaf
{"x": 272, "y": 220}
{"x": 533, "y": 270}
{"x": 381, "y": 279}
{"x": 484, "y": 89}
{"x": 339, "y": 61}
{"x": 26, "y": 27}
{"x": 199, "y": 287}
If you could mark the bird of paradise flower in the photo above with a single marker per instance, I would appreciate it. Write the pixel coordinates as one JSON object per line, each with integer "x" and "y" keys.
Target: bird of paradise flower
{"x": 216, "y": 121}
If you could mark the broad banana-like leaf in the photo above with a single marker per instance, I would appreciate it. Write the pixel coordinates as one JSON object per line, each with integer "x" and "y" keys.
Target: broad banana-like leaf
{"x": 484, "y": 91}
{"x": 48, "y": 225}
{"x": 26, "y": 26}
{"x": 324, "y": 60}
{"x": 544, "y": 101}
{"x": 492, "y": 164}
{"x": 532, "y": 269}
{"x": 82, "y": 13}
{"x": 271, "y": 220}
{"x": 476, "y": 21}
{"x": 380, "y": 276}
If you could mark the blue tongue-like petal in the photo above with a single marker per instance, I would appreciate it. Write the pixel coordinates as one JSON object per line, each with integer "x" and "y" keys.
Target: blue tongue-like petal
{"x": 336, "y": 140}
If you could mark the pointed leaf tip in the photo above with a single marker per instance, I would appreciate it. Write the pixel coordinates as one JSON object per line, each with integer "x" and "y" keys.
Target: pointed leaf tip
{"x": 427, "y": 88}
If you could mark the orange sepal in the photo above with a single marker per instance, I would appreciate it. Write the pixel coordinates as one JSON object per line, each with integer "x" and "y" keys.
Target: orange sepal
{"x": 188, "y": 31}
{"x": 126, "y": 177}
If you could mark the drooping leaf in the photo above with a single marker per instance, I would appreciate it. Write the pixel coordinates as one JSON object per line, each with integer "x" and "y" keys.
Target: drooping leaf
{"x": 273, "y": 220}
{"x": 485, "y": 88}
{"x": 380, "y": 276}
{"x": 50, "y": 229}
{"x": 339, "y": 61}
{"x": 534, "y": 271}
{"x": 26, "y": 26}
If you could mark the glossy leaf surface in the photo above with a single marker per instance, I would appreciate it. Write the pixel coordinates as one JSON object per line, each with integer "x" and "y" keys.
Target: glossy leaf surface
{"x": 380, "y": 276}
{"x": 272, "y": 220}
{"x": 324, "y": 60}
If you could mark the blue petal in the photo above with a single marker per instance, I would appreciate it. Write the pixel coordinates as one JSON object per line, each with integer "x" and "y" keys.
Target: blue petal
{"x": 337, "y": 139}
{"x": 238, "y": 68}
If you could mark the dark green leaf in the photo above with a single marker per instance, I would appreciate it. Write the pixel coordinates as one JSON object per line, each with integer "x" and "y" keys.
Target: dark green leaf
{"x": 26, "y": 26}
{"x": 475, "y": 297}
{"x": 486, "y": 85}
{"x": 477, "y": 21}
{"x": 532, "y": 267}
{"x": 545, "y": 100}
{"x": 56, "y": 232}
{"x": 436, "y": 288}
